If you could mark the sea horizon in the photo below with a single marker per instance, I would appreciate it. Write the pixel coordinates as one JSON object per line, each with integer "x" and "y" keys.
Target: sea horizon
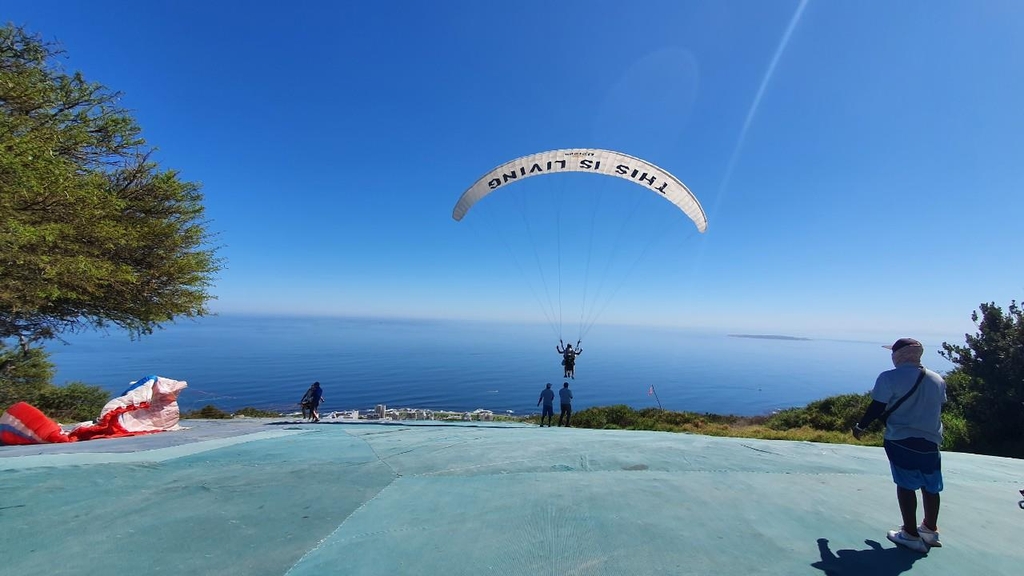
{"x": 268, "y": 361}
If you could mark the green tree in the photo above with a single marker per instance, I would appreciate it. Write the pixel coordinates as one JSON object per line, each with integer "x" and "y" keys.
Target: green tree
{"x": 92, "y": 232}
{"x": 986, "y": 387}
{"x": 23, "y": 375}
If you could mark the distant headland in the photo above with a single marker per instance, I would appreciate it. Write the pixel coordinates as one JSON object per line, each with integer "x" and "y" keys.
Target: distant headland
{"x": 768, "y": 336}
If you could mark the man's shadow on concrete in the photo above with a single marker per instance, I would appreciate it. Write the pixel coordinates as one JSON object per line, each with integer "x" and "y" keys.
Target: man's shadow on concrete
{"x": 876, "y": 560}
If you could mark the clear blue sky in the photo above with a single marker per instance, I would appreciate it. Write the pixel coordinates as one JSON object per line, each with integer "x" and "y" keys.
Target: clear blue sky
{"x": 871, "y": 182}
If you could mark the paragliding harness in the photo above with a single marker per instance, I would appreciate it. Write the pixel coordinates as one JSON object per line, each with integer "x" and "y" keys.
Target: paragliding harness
{"x": 569, "y": 360}
{"x": 307, "y": 404}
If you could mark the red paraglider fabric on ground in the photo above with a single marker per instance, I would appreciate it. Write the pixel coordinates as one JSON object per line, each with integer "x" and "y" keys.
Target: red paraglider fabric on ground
{"x": 23, "y": 423}
{"x": 149, "y": 405}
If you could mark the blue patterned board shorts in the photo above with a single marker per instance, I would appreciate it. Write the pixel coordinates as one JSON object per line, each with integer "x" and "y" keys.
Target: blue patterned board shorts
{"x": 915, "y": 464}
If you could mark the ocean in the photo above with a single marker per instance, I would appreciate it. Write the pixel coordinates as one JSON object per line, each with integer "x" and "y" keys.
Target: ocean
{"x": 269, "y": 362}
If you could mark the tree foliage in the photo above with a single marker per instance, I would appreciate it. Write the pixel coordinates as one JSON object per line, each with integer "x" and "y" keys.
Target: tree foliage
{"x": 986, "y": 387}
{"x": 92, "y": 232}
{"x": 22, "y": 374}
{"x": 833, "y": 414}
{"x": 25, "y": 376}
{"x": 208, "y": 412}
{"x": 73, "y": 402}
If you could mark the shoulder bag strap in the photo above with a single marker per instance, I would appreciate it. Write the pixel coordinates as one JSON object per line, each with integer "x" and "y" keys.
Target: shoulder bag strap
{"x": 885, "y": 415}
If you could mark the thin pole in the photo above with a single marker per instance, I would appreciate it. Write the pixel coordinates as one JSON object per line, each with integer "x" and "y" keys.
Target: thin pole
{"x": 654, "y": 392}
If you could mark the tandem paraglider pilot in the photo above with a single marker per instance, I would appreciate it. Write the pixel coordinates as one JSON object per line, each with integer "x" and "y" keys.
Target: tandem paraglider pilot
{"x": 569, "y": 355}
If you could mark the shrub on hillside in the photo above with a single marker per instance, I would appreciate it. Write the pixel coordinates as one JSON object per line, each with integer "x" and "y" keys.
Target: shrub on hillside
{"x": 250, "y": 412}
{"x": 833, "y": 414}
{"x": 74, "y": 402}
{"x": 208, "y": 412}
{"x": 23, "y": 374}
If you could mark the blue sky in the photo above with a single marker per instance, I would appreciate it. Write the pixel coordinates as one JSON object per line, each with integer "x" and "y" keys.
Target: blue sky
{"x": 872, "y": 189}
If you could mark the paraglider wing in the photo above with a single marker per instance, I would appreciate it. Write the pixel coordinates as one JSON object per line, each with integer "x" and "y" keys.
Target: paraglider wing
{"x": 23, "y": 423}
{"x": 148, "y": 405}
{"x": 592, "y": 160}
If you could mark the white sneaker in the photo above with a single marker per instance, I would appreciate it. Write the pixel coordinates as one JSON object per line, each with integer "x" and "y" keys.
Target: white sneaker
{"x": 907, "y": 541}
{"x": 930, "y": 537}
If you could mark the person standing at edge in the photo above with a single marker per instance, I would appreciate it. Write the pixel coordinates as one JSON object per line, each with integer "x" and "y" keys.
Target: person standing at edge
{"x": 307, "y": 398}
{"x": 316, "y": 397}
{"x": 565, "y": 397}
{"x": 908, "y": 399}
{"x": 547, "y": 396}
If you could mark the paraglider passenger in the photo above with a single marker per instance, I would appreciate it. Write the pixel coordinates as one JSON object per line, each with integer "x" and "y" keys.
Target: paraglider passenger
{"x": 547, "y": 396}
{"x": 569, "y": 358}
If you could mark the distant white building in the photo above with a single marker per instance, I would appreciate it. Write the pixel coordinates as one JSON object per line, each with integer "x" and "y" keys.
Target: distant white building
{"x": 482, "y": 414}
{"x": 381, "y": 411}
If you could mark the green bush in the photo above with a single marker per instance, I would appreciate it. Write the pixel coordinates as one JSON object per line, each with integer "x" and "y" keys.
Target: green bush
{"x": 23, "y": 375}
{"x": 75, "y": 402}
{"x": 208, "y": 412}
{"x": 838, "y": 413}
{"x": 833, "y": 414}
{"x": 590, "y": 418}
{"x": 621, "y": 415}
{"x": 787, "y": 419}
{"x": 955, "y": 432}
{"x": 250, "y": 412}
{"x": 671, "y": 419}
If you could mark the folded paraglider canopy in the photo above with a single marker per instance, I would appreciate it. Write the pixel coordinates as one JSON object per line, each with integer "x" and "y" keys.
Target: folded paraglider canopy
{"x": 149, "y": 405}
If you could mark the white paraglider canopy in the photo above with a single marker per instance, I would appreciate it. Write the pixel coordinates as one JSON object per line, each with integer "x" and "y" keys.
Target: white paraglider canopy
{"x": 608, "y": 234}
{"x": 592, "y": 160}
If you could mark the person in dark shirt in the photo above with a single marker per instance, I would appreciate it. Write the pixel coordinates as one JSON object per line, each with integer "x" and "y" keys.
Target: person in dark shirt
{"x": 316, "y": 397}
{"x": 547, "y": 396}
{"x": 565, "y": 398}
